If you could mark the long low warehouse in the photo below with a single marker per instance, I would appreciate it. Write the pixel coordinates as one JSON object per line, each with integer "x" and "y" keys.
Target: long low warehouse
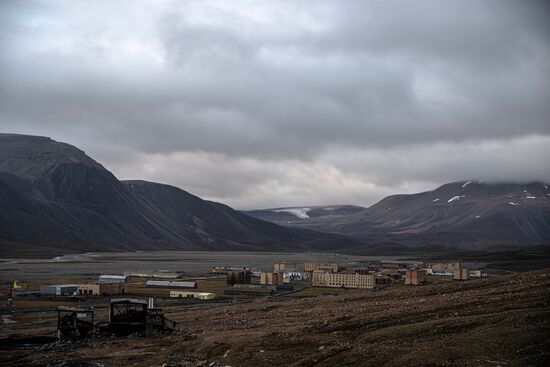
{"x": 198, "y": 295}
{"x": 170, "y": 284}
{"x": 153, "y": 275}
{"x": 59, "y": 289}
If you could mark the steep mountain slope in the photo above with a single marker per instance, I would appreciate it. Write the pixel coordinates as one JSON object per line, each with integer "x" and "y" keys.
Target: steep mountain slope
{"x": 210, "y": 222}
{"x": 467, "y": 214}
{"x": 54, "y": 198}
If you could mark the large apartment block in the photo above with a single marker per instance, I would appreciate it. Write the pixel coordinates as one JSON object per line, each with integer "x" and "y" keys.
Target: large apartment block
{"x": 271, "y": 278}
{"x": 325, "y": 279}
{"x": 332, "y": 267}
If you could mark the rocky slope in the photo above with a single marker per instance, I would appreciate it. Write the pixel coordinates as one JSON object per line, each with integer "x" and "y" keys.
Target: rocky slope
{"x": 56, "y": 199}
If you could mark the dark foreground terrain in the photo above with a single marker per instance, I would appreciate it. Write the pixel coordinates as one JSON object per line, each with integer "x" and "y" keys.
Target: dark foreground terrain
{"x": 498, "y": 321}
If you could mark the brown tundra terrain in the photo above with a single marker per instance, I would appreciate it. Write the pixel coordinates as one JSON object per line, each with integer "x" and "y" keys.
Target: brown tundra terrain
{"x": 499, "y": 321}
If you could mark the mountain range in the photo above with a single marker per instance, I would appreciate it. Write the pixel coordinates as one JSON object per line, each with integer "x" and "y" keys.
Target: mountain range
{"x": 468, "y": 214}
{"x": 55, "y": 199}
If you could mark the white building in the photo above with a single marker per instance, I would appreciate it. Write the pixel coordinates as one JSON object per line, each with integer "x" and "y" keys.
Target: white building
{"x": 197, "y": 295}
{"x": 293, "y": 274}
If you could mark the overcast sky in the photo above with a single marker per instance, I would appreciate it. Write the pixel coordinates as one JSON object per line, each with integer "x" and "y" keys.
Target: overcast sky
{"x": 281, "y": 103}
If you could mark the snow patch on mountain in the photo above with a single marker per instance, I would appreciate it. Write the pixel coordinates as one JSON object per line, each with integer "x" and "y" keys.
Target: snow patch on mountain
{"x": 454, "y": 198}
{"x": 298, "y": 212}
{"x": 466, "y": 184}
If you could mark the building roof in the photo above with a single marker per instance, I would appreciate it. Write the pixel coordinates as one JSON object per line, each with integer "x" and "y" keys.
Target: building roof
{"x": 107, "y": 276}
{"x": 171, "y": 283}
{"x": 128, "y": 300}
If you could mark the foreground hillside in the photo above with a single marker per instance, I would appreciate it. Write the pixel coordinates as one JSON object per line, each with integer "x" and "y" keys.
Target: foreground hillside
{"x": 55, "y": 199}
{"x": 465, "y": 214}
{"x": 499, "y": 321}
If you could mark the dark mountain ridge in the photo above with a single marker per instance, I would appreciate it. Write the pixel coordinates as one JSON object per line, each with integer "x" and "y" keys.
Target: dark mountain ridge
{"x": 56, "y": 199}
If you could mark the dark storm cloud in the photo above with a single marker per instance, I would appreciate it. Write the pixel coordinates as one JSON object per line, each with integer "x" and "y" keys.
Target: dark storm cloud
{"x": 259, "y": 93}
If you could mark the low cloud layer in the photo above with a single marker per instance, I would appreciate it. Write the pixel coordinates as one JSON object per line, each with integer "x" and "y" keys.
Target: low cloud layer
{"x": 261, "y": 104}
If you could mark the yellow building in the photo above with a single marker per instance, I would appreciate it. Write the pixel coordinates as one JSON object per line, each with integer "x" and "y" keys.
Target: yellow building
{"x": 341, "y": 280}
{"x": 198, "y": 295}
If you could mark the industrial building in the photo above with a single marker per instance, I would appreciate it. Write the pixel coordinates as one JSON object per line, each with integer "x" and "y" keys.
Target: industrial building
{"x": 238, "y": 277}
{"x": 271, "y": 278}
{"x": 170, "y": 284}
{"x": 197, "y": 295}
{"x": 415, "y": 277}
{"x": 112, "y": 278}
{"x": 331, "y": 267}
{"x": 461, "y": 274}
{"x": 326, "y": 279}
{"x": 102, "y": 289}
{"x": 74, "y": 322}
{"x": 127, "y": 316}
{"x": 59, "y": 289}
